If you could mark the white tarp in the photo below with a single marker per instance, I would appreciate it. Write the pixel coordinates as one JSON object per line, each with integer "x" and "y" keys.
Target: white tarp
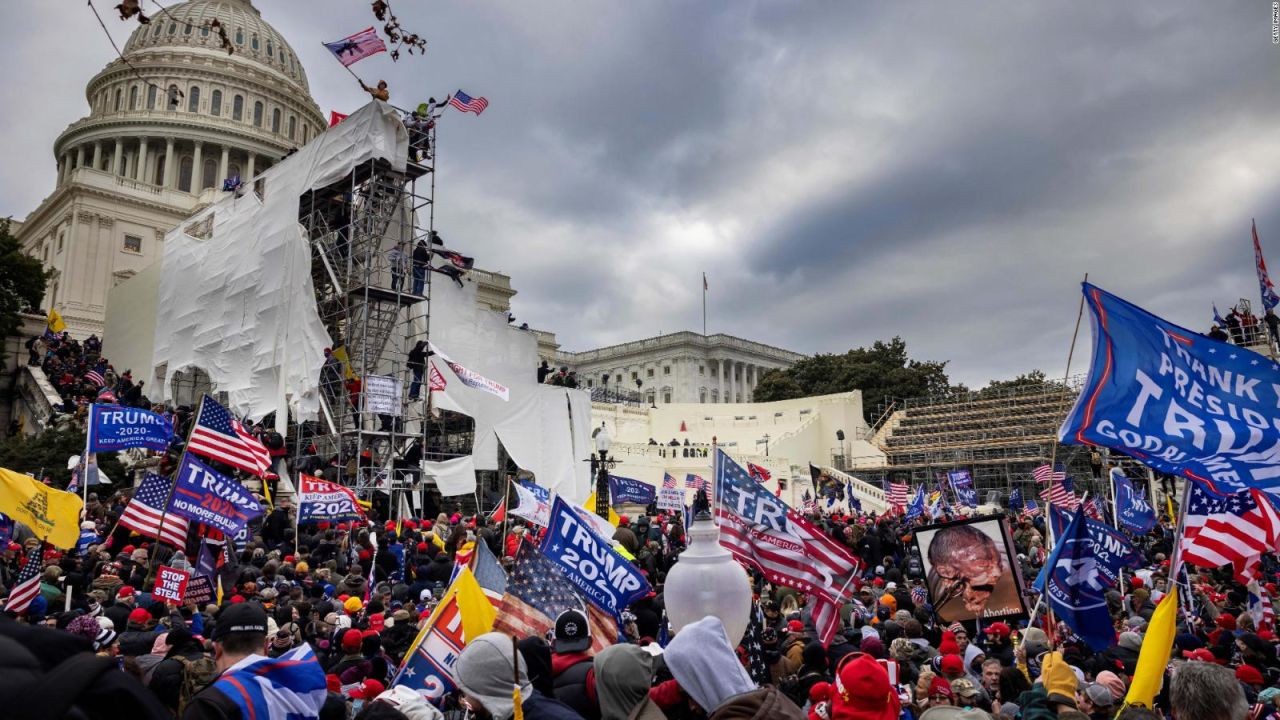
{"x": 240, "y": 304}
{"x": 454, "y": 477}
{"x": 546, "y": 430}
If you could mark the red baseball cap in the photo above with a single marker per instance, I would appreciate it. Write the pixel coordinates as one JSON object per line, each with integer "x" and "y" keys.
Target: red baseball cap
{"x": 1200, "y": 654}
{"x": 368, "y": 690}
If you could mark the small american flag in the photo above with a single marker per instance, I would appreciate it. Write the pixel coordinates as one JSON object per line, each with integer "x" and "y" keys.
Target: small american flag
{"x": 897, "y": 497}
{"x": 95, "y": 377}
{"x": 1236, "y": 529}
{"x": 219, "y": 436}
{"x": 1031, "y": 509}
{"x": 668, "y": 482}
{"x": 354, "y": 48}
{"x": 695, "y": 482}
{"x": 1092, "y": 510}
{"x": 1061, "y": 492}
{"x": 537, "y": 592}
{"x": 27, "y": 586}
{"x": 1045, "y": 474}
{"x": 145, "y": 511}
{"x": 466, "y": 103}
{"x": 1260, "y": 607}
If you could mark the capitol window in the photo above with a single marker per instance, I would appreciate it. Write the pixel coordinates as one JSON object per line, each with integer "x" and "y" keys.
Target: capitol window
{"x": 210, "y": 173}
{"x": 151, "y": 97}
{"x": 193, "y": 99}
{"x": 132, "y": 243}
{"x": 239, "y": 36}
{"x": 185, "y": 169}
{"x": 293, "y": 126}
{"x": 271, "y": 51}
{"x": 237, "y": 108}
{"x": 650, "y": 372}
{"x": 173, "y": 28}
{"x": 257, "y": 114}
{"x": 215, "y": 103}
{"x": 173, "y": 97}
{"x": 133, "y": 98}
{"x": 275, "y": 121}
{"x": 204, "y": 31}
{"x": 253, "y": 43}
{"x": 186, "y": 29}
{"x": 666, "y": 370}
{"x": 117, "y": 100}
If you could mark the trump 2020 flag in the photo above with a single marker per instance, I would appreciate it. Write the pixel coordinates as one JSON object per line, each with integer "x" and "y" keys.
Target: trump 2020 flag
{"x": 589, "y": 561}
{"x": 113, "y": 427}
{"x": 1111, "y": 549}
{"x": 627, "y": 490}
{"x": 1177, "y": 401}
{"x": 1076, "y": 588}
{"x": 962, "y": 484}
{"x": 209, "y": 497}
{"x": 1133, "y": 512}
{"x": 320, "y": 500}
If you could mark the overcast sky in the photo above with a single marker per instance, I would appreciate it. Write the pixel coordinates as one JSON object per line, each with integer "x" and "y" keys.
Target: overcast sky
{"x": 843, "y": 172}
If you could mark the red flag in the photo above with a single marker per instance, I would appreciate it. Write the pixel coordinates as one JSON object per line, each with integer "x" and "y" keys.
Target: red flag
{"x": 335, "y": 117}
{"x": 499, "y": 513}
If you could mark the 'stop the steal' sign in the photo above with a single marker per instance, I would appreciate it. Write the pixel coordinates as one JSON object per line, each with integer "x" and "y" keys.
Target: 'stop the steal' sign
{"x": 171, "y": 584}
{"x": 1176, "y": 400}
{"x": 209, "y": 497}
{"x": 602, "y": 576}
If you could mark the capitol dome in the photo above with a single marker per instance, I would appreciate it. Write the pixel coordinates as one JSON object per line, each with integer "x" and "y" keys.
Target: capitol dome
{"x": 182, "y": 114}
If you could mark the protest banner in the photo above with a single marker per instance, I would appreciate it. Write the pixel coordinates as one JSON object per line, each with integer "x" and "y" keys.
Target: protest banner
{"x": 171, "y": 584}
{"x": 671, "y": 499}
{"x": 113, "y": 427}
{"x": 382, "y": 395}
{"x": 321, "y": 500}
{"x": 206, "y": 496}
{"x": 589, "y": 561}
{"x": 628, "y": 490}
{"x": 970, "y": 570}
{"x": 199, "y": 590}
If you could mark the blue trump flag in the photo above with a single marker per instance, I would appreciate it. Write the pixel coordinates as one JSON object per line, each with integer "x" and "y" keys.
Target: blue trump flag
{"x": 1176, "y": 400}
{"x": 1015, "y": 500}
{"x": 962, "y": 484}
{"x": 1133, "y": 512}
{"x": 916, "y": 509}
{"x": 626, "y": 490}
{"x": 112, "y": 427}
{"x": 1112, "y": 550}
{"x": 1075, "y": 586}
{"x": 589, "y": 562}
{"x": 207, "y": 496}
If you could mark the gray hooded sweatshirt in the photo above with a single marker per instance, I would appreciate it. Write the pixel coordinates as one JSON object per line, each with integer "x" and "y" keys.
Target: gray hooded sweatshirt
{"x": 705, "y": 666}
{"x": 484, "y": 672}
{"x": 623, "y": 676}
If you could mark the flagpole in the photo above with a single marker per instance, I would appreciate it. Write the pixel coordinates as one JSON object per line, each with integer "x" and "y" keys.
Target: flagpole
{"x": 164, "y": 511}
{"x": 507, "y": 513}
{"x": 84, "y": 461}
{"x": 704, "y": 304}
{"x": 1115, "y": 517}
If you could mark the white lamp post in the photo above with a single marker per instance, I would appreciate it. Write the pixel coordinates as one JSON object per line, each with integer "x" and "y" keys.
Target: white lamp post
{"x": 708, "y": 581}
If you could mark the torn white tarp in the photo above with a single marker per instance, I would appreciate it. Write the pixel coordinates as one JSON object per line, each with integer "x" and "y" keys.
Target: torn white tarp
{"x": 453, "y": 477}
{"x": 238, "y": 301}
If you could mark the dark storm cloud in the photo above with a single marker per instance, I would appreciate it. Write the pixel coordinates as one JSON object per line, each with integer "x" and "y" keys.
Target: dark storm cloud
{"x": 844, "y": 172}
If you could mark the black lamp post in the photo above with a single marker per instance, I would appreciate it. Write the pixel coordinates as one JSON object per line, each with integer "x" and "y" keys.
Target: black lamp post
{"x": 600, "y": 463}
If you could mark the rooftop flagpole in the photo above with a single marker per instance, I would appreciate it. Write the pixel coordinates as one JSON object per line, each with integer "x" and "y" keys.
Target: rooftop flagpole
{"x": 704, "y": 304}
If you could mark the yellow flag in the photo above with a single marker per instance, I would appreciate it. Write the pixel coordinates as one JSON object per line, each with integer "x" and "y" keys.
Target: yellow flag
{"x": 477, "y": 612}
{"x": 590, "y": 505}
{"x": 53, "y": 515}
{"x": 1173, "y": 519}
{"x": 56, "y": 323}
{"x": 340, "y": 352}
{"x": 1154, "y": 657}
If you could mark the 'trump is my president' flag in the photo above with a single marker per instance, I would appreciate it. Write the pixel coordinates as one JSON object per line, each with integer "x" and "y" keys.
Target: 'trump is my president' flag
{"x": 1176, "y": 400}
{"x": 1133, "y": 511}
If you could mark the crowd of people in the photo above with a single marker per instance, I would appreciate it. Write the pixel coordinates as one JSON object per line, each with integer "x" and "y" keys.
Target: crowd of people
{"x": 81, "y": 375}
{"x": 1242, "y": 327}
{"x": 357, "y": 593}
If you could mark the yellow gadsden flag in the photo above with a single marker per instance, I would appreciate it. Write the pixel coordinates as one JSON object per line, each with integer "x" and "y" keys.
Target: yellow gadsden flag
{"x": 55, "y": 322}
{"x": 53, "y": 515}
{"x": 1154, "y": 657}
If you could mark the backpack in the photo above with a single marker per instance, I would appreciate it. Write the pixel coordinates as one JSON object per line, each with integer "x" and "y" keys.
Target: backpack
{"x": 196, "y": 676}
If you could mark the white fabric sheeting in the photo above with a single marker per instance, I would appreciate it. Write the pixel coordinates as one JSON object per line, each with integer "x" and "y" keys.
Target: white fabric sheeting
{"x": 453, "y": 477}
{"x": 241, "y": 303}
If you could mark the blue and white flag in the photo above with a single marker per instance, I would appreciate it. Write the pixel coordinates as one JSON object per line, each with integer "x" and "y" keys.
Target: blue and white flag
{"x": 916, "y": 508}
{"x": 113, "y": 427}
{"x": 207, "y": 496}
{"x": 589, "y": 561}
{"x": 87, "y": 537}
{"x": 1176, "y": 400}
{"x": 6, "y": 530}
{"x": 1015, "y": 500}
{"x": 1217, "y": 319}
{"x": 1112, "y": 550}
{"x": 962, "y": 484}
{"x": 627, "y": 490}
{"x": 1133, "y": 512}
{"x": 289, "y": 686}
{"x": 533, "y": 502}
{"x": 851, "y": 501}
{"x": 1076, "y": 587}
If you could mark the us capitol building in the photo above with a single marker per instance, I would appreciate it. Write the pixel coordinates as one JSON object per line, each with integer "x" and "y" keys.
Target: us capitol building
{"x": 161, "y": 137}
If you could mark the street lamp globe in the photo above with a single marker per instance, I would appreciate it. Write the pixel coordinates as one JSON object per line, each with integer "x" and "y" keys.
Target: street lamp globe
{"x": 708, "y": 581}
{"x": 603, "y": 441}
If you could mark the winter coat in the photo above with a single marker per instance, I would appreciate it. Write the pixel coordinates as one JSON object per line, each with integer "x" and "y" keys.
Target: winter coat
{"x": 573, "y": 683}
{"x": 763, "y": 704}
{"x": 136, "y": 642}
{"x": 166, "y": 680}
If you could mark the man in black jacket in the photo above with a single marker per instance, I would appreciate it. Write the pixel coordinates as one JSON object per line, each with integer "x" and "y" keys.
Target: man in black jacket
{"x": 166, "y": 679}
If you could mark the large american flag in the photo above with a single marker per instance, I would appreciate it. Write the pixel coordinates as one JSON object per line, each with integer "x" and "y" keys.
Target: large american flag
{"x": 897, "y": 496}
{"x": 668, "y": 482}
{"x": 783, "y": 545}
{"x": 95, "y": 377}
{"x": 1236, "y": 529}
{"x": 466, "y": 103}
{"x": 537, "y": 592}
{"x": 354, "y": 48}
{"x": 144, "y": 512}
{"x": 1061, "y": 492}
{"x": 27, "y": 586}
{"x": 1031, "y": 509}
{"x": 219, "y": 436}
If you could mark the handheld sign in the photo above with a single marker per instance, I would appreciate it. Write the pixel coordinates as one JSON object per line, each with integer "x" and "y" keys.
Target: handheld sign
{"x": 171, "y": 584}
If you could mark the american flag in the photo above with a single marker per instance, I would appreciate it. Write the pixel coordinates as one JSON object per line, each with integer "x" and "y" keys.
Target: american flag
{"x": 435, "y": 381}
{"x": 95, "y": 377}
{"x": 1236, "y": 529}
{"x": 668, "y": 482}
{"x": 1044, "y": 474}
{"x": 1260, "y": 607}
{"x": 537, "y": 592}
{"x": 753, "y": 645}
{"x": 144, "y": 511}
{"x": 783, "y": 545}
{"x": 758, "y": 472}
{"x": 354, "y": 48}
{"x": 695, "y": 482}
{"x": 1031, "y": 509}
{"x": 1092, "y": 510}
{"x": 27, "y": 586}
{"x": 489, "y": 574}
{"x": 106, "y": 396}
{"x": 1269, "y": 297}
{"x": 219, "y": 436}
{"x": 466, "y": 103}
{"x": 897, "y": 496}
{"x": 1061, "y": 492}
